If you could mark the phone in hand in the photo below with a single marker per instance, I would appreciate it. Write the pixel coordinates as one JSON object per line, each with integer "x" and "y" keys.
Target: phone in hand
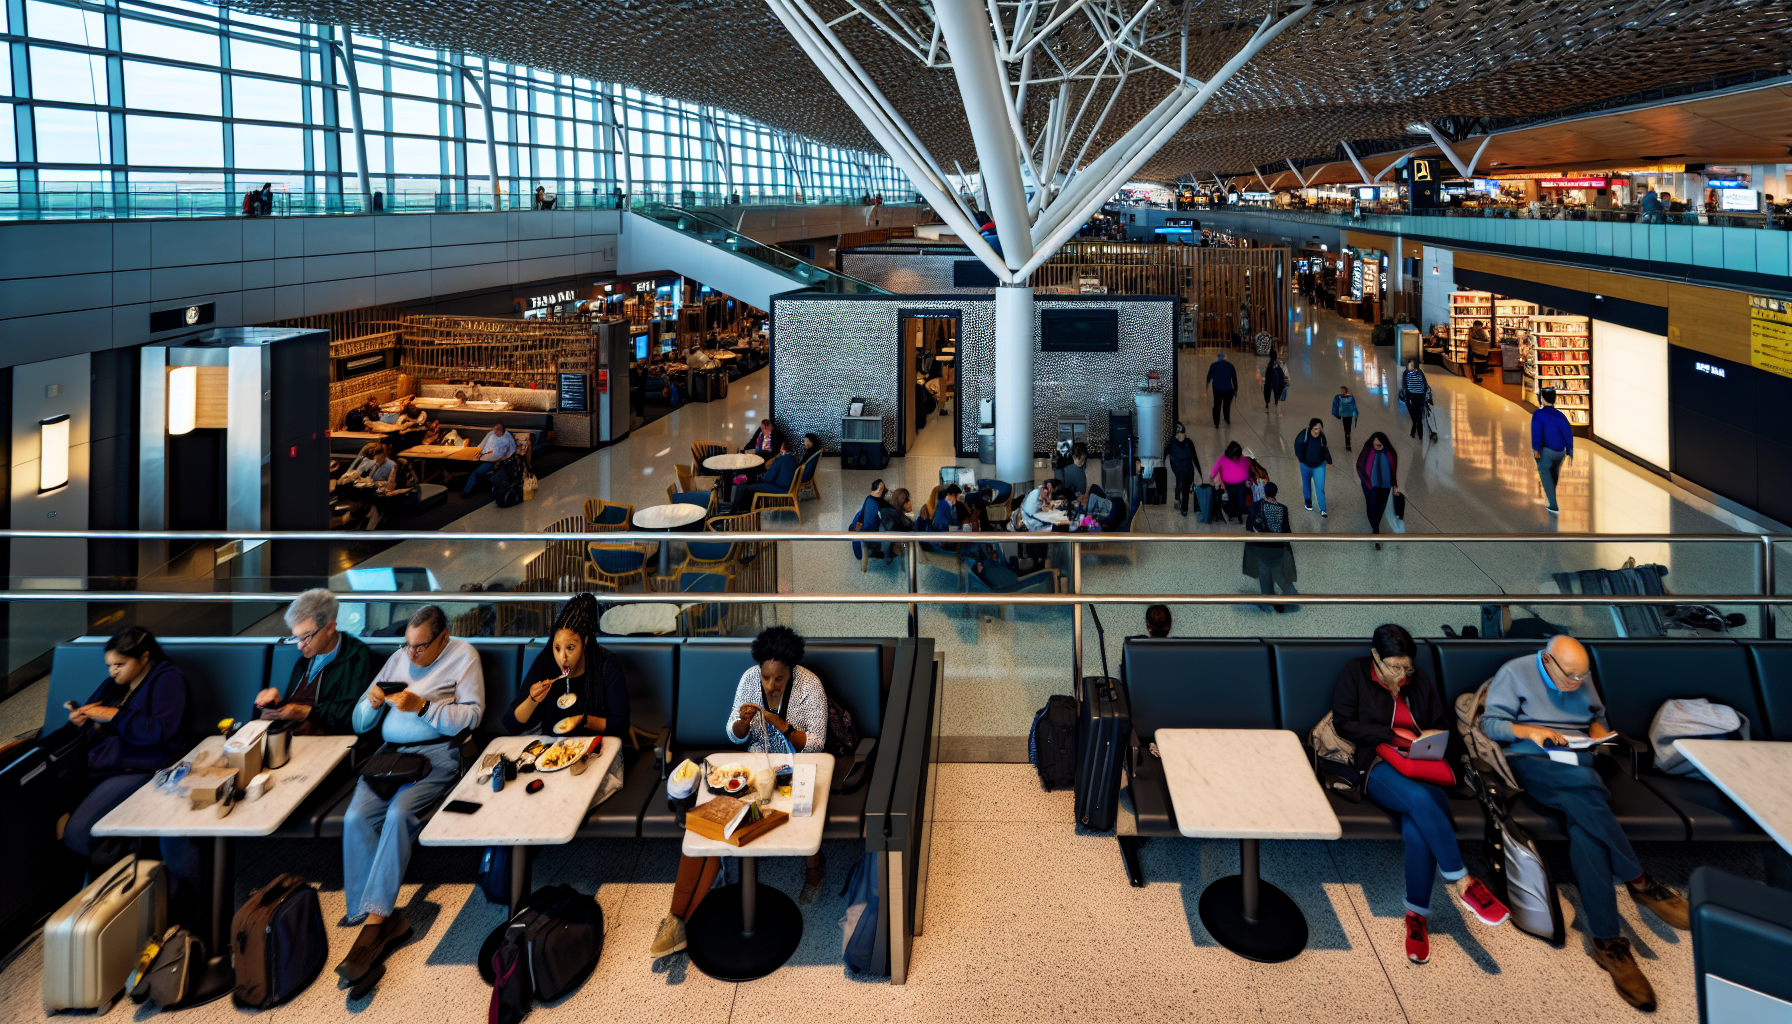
{"x": 390, "y": 688}
{"x": 461, "y": 807}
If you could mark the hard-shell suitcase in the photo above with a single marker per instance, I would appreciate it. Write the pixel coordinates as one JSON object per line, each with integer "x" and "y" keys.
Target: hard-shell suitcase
{"x": 1104, "y": 722}
{"x": 91, "y": 944}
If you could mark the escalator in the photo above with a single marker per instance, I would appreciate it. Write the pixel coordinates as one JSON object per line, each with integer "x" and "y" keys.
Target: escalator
{"x": 661, "y": 237}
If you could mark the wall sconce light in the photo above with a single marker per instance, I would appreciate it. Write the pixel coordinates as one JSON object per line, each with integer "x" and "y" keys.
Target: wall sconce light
{"x": 183, "y": 399}
{"x": 52, "y": 461}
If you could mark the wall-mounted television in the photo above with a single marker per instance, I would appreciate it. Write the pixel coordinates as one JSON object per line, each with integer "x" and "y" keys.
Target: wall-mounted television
{"x": 1079, "y": 330}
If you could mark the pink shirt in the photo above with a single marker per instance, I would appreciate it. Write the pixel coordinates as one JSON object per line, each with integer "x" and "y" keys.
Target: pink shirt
{"x": 1231, "y": 471}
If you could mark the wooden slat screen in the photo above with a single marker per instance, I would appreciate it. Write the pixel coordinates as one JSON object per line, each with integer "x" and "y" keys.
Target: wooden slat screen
{"x": 1214, "y": 284}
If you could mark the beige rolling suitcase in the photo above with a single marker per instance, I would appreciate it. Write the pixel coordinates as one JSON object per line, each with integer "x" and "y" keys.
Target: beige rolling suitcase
{"x": 91, "y": 944}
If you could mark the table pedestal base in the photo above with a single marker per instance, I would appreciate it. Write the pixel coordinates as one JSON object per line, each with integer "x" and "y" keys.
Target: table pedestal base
{"x": 1252, "y": 918}
{"x": 745, "y": 931}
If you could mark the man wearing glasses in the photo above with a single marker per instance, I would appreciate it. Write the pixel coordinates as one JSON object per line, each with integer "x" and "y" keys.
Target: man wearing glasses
{"x": 1534, "y": 705}
{"x": 332, "y": 671}
{"x": 430, "y": 690}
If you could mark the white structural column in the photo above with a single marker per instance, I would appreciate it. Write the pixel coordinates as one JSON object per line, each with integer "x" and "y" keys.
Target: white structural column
{"x": 1014, "y": 383}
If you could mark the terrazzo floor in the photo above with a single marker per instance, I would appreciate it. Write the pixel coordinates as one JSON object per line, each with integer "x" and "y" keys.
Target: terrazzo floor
{"x": 1478, "y": 477}
{"x": 1025, "y": 919}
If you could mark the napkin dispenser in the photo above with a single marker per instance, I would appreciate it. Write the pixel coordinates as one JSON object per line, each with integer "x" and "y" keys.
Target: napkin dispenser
{"x": 278, "y": 748}
{"x": 243, "y": 751}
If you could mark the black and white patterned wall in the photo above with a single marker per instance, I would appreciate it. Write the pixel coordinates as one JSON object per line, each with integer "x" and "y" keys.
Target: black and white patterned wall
{"x": 909, "y": 273}
{"x": 826, "y": 351}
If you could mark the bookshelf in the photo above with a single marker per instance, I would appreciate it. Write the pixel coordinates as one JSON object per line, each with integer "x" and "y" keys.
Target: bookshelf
{"x": 1465, "y": 309}
{"x": 1562, "y": 357}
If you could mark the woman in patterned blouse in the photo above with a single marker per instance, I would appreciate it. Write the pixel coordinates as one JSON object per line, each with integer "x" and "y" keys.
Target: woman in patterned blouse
{"x": 782, "y": 696}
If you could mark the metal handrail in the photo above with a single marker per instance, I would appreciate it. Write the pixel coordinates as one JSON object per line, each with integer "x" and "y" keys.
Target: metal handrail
{"x": 996, "y": 537}
{"x": 894, "y": 597}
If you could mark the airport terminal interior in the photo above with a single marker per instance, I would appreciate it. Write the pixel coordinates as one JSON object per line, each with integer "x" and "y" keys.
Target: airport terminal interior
{"x": 479, "y": 475}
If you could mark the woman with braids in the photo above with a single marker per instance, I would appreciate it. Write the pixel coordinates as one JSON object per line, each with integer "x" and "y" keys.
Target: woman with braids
{"x": 573, "y": 678}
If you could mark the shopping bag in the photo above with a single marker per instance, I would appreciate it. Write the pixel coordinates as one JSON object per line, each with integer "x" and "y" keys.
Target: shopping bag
{"x": 1398, "y": 520}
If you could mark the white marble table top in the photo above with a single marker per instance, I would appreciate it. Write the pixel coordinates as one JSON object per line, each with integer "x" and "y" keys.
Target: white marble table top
{"x": 1244, "y": 784}
{"x": 629, "y": 619}
{"x": 665, "y": 517}
{"x": 738, "y": 460}
{"x": 798, "y": 837}
{"x": 516, "y": 817}
{"x": 1756, "y": 774}
{"x": 151, "y": 812}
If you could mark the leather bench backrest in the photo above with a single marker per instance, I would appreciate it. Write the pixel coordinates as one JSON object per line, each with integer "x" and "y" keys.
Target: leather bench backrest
{"x": 647, "y": 665}
{"x": 76, "y": 670}
{"x": 1307, "y": 675}
{"x": 498, "y": 663}
{"x": 1198, "y": 684}
{"x": 223, "y": 677}
{"x": 708, "y": 674}
{"x": 1635, "y": 677}
{"x": 854, "y": 676}
{"x": 1463, "y": 665}
{"x": 1772, "y": 662}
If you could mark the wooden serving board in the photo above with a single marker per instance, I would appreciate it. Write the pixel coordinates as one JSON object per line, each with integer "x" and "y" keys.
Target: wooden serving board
{"x": 709, "y": 828}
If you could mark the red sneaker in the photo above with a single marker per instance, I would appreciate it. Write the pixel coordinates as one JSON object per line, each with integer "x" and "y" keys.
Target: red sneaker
{"x": 1481, "y": 901}
{"x": 1418, "y": 941}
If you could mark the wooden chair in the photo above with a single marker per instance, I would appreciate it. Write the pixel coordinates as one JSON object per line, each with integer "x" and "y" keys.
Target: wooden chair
{"x": 703, "y": 619}
{"x": 561, "y": 565}
{"x": 687, "y": 477}
{"x": 606, "y": 517}
{"x": 701, "y": 450}
{"x": 703, "y": 499}
{"x": 754, "y": 564}
{"x": 785, "y": 502}
{"x": 806, "y": 476}
{"x": 611, "y": 567}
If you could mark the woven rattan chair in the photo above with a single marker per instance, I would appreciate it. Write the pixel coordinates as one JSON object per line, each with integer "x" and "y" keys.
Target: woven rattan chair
{"x": 606, "y": 516}
{"x": 701, "y": 450}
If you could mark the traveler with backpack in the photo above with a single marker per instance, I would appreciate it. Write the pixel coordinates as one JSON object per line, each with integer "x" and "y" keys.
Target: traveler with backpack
{"x": 431, "y": 690}
{"x": 1186, "y": 464}
{"x": 1531, "y": 702}
{"x": 1314, "y": 455}
{"x": 1381, "y": 704}
{"x": 1344, "y": 411}
{"x": 776, "y": 695}
{"x": 1272, "y": 565}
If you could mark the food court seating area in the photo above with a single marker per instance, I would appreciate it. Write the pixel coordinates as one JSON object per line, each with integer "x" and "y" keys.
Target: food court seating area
{"x": 1287, "y": 684}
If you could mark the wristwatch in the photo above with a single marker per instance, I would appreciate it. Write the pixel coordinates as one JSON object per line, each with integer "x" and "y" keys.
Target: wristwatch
{"x": 423, "y": 709}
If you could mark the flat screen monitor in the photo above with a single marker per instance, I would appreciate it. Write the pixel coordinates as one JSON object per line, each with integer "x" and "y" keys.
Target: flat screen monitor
{"x": 1079, "y": 330}
{"x": 640, "y": 346}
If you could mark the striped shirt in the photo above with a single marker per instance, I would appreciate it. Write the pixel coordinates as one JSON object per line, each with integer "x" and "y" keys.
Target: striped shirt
{"x": 1414, "y": 382}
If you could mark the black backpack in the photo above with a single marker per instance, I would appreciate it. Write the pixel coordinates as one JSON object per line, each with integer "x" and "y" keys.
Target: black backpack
{"x": 182, "y": 974}
{"x": 507, "y": 481}
{"x": 1051, "y": 746}
{"x": 548, "y": 949}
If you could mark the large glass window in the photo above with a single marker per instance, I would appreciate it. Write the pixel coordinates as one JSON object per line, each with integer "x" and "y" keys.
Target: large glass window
{"x": 205, "y": 92}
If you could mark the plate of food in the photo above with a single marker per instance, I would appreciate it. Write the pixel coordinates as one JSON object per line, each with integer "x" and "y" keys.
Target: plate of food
{"x": 730, "y": 779}
{"x": 563, "y": 754}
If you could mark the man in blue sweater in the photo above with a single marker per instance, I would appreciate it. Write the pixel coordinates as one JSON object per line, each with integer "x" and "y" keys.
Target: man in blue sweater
{"x": 776, "y": 480}
{"x": 1223, "y": 379}
{"x": 1552, "y": 440}
{"x": 1531, "y": 703}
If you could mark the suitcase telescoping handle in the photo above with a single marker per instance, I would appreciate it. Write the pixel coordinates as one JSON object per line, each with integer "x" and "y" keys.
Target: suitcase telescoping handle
{"x": 1101, "y": 639}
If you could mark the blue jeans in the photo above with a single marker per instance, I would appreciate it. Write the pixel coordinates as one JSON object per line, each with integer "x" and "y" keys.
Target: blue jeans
{"x": 1312, "y": 481}
{"x": 480, "y": 472}
{"x": 377, "y": 835}
{"x": 106, "y": 794}
{"x": 1597, "y": 847}
{"x": 1549, "y": 470}
{"x": 1425, "y": 827}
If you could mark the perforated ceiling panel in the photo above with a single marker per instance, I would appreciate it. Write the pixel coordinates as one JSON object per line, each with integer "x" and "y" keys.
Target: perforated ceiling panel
{"x": 1350, "y": 70}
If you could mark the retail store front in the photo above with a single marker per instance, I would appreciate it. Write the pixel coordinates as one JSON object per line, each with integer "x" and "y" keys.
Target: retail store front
{"x": 1517, "y": 348}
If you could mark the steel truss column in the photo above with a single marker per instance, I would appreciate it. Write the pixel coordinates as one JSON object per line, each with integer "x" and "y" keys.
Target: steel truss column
{"x": 345, "y": 52}
{"x": 483, "y": 91}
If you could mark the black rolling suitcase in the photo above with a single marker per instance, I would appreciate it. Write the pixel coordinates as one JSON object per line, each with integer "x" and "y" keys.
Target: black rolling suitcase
{"x": 1104, "y": 723}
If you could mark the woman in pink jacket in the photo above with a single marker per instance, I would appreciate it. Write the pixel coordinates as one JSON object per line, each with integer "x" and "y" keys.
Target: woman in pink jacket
{"x": 1233, "y": 471}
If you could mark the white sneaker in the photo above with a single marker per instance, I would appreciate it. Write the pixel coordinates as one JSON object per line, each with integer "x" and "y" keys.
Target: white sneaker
{"x": 670, "y": 938}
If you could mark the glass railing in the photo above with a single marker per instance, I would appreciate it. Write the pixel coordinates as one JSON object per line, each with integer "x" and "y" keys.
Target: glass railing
{"x": 712, "y": 229}
{"x": 1343, "y": 216}
{"x": 83, "y": 202}
{"x": 1007, "y": 647}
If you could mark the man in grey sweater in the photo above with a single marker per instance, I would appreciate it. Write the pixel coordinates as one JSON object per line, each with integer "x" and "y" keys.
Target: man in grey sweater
{"x": 1531, "y": 703}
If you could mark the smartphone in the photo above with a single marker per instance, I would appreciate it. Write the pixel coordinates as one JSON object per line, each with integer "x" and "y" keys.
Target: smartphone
{"x": 460, "y": 807}
{"x": 389, "y": 688}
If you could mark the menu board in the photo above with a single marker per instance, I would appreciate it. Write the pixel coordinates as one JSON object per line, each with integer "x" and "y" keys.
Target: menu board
{"x": 573, "y": 390}
{"x": 1356, "y": 279}
{"x": 1770, "y": 334}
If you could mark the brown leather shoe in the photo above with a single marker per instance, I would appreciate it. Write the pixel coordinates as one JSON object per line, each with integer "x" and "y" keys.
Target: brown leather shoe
{"x": 1667, "y": 904}
{"x": 1614, "y": 955}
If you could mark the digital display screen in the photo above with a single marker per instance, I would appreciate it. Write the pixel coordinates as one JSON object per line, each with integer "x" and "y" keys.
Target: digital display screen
{"x": 1076, "y": 330}
{"x": 640, "y": 346}
{"x": 1742, "y": 199}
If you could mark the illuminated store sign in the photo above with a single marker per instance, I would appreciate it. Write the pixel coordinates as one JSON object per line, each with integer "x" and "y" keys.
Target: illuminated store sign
{"x": 1572, "y": 182}
{"x": 543, "y": 301}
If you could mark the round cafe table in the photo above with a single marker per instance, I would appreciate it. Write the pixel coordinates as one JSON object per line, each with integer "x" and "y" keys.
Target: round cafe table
{"x": 728, "y": 465}
{"x": 668, "y": 517}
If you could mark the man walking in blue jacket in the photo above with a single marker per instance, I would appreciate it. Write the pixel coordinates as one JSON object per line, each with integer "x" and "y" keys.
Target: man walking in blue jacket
{"x": 1552, "y": 440}
{"x": 1223, "y": 379}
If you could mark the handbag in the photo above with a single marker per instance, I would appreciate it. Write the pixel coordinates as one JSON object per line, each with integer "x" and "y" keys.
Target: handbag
{"x": 1437, "y": 773}
{"x": 390, "y": 766}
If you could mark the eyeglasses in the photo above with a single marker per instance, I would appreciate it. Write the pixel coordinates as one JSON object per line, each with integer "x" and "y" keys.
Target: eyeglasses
{"x": 418, "y": 649}
{"x": 1581, "y": 678}
{"x": 302, "y": 639}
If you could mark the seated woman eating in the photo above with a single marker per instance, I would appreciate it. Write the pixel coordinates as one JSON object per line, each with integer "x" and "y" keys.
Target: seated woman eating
{"x": 578, "y": 688}
{"x": 783, "y": 697}
{"x": 1382, "y": 704}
